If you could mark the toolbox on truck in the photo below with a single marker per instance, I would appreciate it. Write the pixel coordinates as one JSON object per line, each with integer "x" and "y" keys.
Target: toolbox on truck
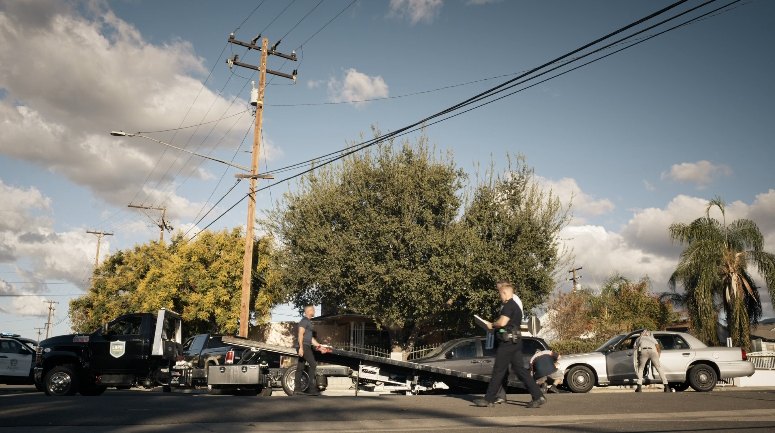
{"x": 235, "y": 375}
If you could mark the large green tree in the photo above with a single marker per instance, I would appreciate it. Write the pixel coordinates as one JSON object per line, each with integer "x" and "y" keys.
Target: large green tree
{"x": 376, "y": 235}
{"x": 383, "y": 234}
{"x": 713, "y": 269}
{"x": 513, "y": 224}
{"x": 200, "y": 278}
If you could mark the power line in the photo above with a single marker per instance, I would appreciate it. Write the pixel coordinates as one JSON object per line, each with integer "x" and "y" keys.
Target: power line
{"x": 505, "y": 86}
{"x": 195, "y": 125}
{"x": 248, "y": 17}
{"x": 326, "y": 24}
{"x": 299, "y": 22}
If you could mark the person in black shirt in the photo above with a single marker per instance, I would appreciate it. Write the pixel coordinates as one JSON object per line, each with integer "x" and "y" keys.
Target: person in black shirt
{"x": 507, "y": 331}
{"x": 304, "y": 344}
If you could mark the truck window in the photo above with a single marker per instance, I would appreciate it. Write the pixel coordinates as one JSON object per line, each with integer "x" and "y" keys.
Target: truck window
{"x": 125, "y": 326}
{"x": 197, "y": 343}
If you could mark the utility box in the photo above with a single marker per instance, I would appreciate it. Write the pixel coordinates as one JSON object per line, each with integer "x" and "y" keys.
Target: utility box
{"x": 235, "y": 375}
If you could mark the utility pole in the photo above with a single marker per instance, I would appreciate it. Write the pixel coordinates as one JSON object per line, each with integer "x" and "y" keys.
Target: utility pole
{"x": 50, "y": 313}
{"x": 247, "y": 260}
{"x": 575, "y": 278}
{"x": 99, "y": 234}
{"x": 162, "y": 224}
{"x": 39, "y": 331}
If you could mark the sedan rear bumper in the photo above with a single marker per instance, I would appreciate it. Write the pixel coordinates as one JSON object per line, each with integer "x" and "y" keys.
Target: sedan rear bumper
{"x": 733, "y": 369}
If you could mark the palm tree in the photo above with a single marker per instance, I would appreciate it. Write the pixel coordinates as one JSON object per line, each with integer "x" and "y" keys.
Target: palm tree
{"x": 714, "y": 269}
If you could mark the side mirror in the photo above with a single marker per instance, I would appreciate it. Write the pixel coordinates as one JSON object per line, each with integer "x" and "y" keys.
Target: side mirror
{"x": 611, "y": 348}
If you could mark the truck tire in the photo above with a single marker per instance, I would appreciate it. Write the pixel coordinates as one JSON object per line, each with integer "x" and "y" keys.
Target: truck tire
{"x": 702, "y": 378}
{"x": 289, "y": 381}
{"x": 580, "y": 379}
{"x": 61, "y": 380}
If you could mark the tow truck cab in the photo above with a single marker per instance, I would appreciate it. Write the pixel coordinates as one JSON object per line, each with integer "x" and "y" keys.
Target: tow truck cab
{"x": 132, "y": 350}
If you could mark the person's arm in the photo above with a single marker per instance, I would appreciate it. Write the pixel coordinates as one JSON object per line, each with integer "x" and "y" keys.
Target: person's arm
{"x": 500, "y": 323}
{"x": 301, "y": 340}
{"x": 315, "y": 343}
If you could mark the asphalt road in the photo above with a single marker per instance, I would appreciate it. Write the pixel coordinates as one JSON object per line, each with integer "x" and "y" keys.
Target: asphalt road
{"x": 22, "y": 410}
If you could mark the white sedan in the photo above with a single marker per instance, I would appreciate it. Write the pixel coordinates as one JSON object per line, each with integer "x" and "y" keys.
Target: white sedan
{"x": 685, "y": 360}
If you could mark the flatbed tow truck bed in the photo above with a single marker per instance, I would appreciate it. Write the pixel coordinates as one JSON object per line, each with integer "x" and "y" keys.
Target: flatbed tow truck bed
{"x": 415, "y": 376}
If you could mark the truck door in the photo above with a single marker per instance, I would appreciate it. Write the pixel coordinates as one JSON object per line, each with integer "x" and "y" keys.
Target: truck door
{"x": 123, "y": 347}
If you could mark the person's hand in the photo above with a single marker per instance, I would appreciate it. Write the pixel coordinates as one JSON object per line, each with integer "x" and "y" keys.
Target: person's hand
{"x": 489, "y": 326}
{"x": 301, "y": 351}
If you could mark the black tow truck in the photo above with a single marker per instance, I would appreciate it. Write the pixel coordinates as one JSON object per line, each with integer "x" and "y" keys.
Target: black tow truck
{"x": 133, "y": 350}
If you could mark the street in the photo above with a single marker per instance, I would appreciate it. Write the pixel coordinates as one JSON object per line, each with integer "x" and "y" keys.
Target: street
{"x": 22, "y": 409}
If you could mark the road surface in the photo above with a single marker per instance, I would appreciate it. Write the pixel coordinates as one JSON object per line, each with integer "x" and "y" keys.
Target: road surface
{"x": 22, "y": 410}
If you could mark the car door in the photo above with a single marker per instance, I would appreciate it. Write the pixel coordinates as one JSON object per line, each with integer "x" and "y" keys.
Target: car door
{"x": 619, "y": 361}
{"x": 465, "y": 356}
{"x": 15, "y": 359}
{"x": 675, "y": 357}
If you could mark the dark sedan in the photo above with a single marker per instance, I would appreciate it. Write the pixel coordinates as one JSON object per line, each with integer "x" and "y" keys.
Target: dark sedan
{"x": 474, "y": 355}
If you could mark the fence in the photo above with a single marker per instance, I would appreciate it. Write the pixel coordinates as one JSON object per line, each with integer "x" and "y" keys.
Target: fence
{"x": 420, "y": 351}
{"x": 762, "y": 360}
{"x": 364, "y": 349}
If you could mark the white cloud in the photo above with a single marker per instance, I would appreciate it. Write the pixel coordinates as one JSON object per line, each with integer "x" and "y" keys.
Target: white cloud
{"x": 583, "y": 204}
{"x": 416, "y": 10}
{"x": 59, "y": 106}
{"x": 643, "y": 247}
{"x": 356, "y": 86}
{"x": 66, "y": 255}
{"x": 700, "y": 173}
{"x": 314, "y": 84}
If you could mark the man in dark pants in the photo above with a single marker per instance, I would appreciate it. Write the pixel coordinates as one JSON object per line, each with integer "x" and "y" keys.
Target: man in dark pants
{"x": 507, "y": 329}
{"x": 306, "y": 341}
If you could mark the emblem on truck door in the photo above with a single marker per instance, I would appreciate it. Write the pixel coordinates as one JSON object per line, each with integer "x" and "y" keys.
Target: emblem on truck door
{"x": 117, "y": 348}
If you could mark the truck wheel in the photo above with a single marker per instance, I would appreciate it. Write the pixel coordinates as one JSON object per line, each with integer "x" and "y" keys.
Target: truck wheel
{"x": 265, "y": 391}
{"x": 702, "y": 378}
{"x": 61, "y": 380}
{"x": 289, "y": 381}
{"x": 580, "y": 379}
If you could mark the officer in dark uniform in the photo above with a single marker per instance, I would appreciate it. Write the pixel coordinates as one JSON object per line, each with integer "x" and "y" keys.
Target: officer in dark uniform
{"x": 509, "y": 352}
{"x": 306, "y": 341}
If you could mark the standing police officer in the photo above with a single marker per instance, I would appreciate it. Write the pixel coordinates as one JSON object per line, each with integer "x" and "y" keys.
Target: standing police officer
{"x": 647, "y": 349}
{"x": 305, "y": 343}
{"x": 507, "y": 331}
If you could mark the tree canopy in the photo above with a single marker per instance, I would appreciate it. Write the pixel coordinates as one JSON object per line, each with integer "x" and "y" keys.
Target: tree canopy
{"x": 713, "y": 270}
{"x": 200, "y": 279}
{"x": 385, "y": 234}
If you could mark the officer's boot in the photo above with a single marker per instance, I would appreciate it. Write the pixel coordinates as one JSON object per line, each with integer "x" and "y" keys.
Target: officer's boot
{"x": 638, "y": 388}
{"x": 667, "y": 388}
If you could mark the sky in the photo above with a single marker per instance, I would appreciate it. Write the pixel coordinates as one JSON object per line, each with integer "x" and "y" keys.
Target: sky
{"x": 637, "y": 141}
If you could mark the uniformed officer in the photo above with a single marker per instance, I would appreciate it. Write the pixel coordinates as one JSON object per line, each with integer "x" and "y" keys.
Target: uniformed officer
{"x": 306, "y": 341}
{"x": 509, "y": 352}
{"x": 647, "y": 349}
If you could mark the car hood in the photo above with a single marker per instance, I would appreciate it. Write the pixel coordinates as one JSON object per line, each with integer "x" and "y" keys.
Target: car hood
{"x": 576, "y": 357}
{"x": 65, "y": 340}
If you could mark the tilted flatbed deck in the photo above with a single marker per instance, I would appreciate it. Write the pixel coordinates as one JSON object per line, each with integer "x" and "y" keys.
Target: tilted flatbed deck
{"x": 411, "y": 370}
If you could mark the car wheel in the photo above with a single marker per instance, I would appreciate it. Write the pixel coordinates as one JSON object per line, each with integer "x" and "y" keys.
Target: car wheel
{"x": 702, "y": 378}
{"x": 679, "y": 386}
{"x": 580, "y": 379}
{"x": 61, "y": 380}
{"x": 289, "y": 381}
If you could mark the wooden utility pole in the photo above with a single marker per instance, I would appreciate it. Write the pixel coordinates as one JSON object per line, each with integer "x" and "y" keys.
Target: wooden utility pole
{"x": 50, "y": 313}
{"x": 99, "y": 234}
{"x": 247, "y": 259}
{"x": 575, "y": 278}
{"x": 162, "y": 224}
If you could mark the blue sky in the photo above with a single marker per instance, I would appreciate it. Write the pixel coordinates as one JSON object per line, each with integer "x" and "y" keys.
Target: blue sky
{"x": 640, "y": 139}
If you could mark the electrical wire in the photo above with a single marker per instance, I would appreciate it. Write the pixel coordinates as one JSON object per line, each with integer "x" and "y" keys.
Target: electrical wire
{"x": 505, "y": 86}
{"x": 195, "y": 125}
{"x": 299, "y": 22}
